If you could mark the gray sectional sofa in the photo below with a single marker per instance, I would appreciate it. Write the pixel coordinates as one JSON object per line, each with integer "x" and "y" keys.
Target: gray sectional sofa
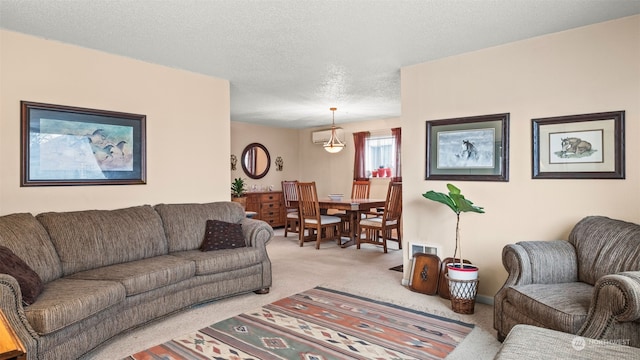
{"x": 107, "y": 271}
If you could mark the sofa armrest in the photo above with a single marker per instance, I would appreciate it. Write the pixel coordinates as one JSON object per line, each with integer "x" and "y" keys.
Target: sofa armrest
{"x": 256, "y": 232}
{"x": 616, "y": 299}
{"x": 11, "y": 306}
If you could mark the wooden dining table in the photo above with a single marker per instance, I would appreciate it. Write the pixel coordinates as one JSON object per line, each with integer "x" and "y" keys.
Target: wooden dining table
{"x": 353, "y": 208}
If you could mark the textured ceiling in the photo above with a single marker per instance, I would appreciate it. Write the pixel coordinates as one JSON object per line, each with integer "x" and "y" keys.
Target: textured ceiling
{"x": 289, "y": 61}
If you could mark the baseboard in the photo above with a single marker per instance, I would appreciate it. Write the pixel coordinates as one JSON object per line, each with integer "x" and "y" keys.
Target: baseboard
{"x": 482, "y": 299}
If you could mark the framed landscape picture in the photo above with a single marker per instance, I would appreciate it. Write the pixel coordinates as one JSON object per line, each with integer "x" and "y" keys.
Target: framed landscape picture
{"x": 470, "y": 148}
{"x": 63, "y": 145}
{"x": 587, "y": 146}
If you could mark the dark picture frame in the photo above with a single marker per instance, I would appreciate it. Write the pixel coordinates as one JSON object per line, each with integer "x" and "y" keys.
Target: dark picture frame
{"x": 65, "y": 145}
{"x": 586, "y": 146}
{"x": 474, "y": 148}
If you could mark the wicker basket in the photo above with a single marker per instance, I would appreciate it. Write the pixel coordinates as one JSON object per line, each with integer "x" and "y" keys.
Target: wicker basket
{"x": 463, "y": 295}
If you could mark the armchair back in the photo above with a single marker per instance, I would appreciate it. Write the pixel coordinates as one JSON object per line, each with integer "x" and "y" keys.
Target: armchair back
{"x": 605, "y": 246}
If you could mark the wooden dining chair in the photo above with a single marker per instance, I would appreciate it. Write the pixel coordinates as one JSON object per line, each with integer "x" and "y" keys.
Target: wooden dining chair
{"x": 290, "y": 193}
{"x": 379, "y": 229}
{"x": 322, "y": 226}
{"x": 359, "y": 190}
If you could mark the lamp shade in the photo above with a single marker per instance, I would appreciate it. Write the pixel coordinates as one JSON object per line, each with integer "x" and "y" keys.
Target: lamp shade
{"x": 334, "y": 145}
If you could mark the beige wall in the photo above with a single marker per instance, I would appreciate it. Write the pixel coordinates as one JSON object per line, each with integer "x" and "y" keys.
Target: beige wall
{"x": 586, "y": 70}
{"x": 187, "y": 123}
{"x": 278, "y": 141}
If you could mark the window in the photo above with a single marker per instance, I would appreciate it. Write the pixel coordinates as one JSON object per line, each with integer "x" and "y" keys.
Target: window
{"x": 380, "y": 154}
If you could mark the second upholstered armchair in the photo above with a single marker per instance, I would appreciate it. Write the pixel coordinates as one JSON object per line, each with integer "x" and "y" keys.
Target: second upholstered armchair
{"x": 587, "y": 286}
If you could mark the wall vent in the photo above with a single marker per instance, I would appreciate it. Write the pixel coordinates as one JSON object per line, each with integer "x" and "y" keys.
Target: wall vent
{"x": 415, "y": 248}
{"x": 322, "y": 136}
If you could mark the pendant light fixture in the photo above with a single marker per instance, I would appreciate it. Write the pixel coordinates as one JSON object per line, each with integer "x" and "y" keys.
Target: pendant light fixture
{"x": 334, "y": 145}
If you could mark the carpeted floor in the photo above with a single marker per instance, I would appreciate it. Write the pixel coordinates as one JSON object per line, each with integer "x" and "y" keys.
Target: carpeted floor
{"x": 319, "y": 323}
{"x": 296, "y": 269}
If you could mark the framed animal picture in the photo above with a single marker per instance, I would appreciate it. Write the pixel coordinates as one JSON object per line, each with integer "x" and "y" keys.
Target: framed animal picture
{"x": 587, "y": 146}
{"x": 64, "y": 145}
{"x": 468, "y": 148}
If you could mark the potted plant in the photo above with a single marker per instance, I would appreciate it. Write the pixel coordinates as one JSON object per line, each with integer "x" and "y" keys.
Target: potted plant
{"x": 458, "y": 204}
{"x": 238, "y": 190}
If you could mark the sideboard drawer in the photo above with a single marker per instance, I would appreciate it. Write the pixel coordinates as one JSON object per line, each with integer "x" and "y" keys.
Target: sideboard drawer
{"x": 271, "y": 220}
{"x": 274, "y": 197}
{"x": 268, "y": 206}
{"x": 265, "y": 213}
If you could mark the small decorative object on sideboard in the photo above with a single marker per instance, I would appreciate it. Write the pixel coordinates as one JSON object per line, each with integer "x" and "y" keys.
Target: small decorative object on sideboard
{"x": 238, "y": 189}
{"x": 463, "y": 278}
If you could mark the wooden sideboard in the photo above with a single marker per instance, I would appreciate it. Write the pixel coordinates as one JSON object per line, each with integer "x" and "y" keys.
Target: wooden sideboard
{"x": 269, "y": 207}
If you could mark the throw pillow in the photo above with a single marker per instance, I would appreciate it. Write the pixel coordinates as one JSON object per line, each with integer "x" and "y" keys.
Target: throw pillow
{"x": 221, "y": 235}
{"x": 30, "y": 283}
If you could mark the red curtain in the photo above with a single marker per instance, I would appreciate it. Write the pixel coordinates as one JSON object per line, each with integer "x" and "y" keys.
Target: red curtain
{"x": 397, "y": 169}
{"x": 359, "y": 142}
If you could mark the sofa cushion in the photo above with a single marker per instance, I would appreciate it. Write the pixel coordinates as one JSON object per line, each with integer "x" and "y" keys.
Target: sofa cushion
{"x": 25, "y": 236}
{"x": 222, "y": 260}
{"x": 605, "y": 246}
{"x": 143, "y": 275}
{"x": 67, "y": 301}
{"x": 184, "y": 224}
{"x": 561, "y": 307}
{"x": 530, "y": 342}
{"x": 92, "y": 239}
{"x": 30, "y": 283}
{"x": 220, "y": 235}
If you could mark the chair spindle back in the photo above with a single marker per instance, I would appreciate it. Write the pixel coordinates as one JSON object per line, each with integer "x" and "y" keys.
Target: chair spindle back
{"x": 290, "y": 192}
{"x": 393, "y": 203}
{"x": 308, "y": 199}
{"x": 360, "y": 189}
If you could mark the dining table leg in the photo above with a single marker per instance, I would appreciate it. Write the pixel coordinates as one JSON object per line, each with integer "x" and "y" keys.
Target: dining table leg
{"x": 354, "y": 216}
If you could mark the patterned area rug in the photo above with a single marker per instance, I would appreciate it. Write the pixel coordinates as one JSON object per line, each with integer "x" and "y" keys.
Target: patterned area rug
{"x": 319, "y": 324}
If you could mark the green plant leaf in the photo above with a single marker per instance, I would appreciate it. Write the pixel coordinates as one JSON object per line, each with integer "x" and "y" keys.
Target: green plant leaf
{"x": 465, "y": 205}
{"x": 454, "y": 200}
{"x": 441, "y": 198}
{"x": 237, "y": 187}
{"x": 453, "y": 189}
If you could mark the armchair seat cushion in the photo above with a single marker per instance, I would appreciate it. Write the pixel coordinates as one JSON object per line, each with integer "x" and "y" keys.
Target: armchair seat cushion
{"x": 561, "y": 307}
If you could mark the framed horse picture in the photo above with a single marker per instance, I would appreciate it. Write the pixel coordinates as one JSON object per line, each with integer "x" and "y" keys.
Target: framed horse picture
{"x": 468, "y": 148}
{"x": 587, "y": 146}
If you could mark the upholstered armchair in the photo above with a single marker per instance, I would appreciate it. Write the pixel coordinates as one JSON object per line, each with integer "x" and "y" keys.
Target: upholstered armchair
{"x": 588, "y": 285}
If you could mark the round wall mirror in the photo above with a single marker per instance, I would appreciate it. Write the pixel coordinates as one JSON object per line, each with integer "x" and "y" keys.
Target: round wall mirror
{"x": 256, "y": 161}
